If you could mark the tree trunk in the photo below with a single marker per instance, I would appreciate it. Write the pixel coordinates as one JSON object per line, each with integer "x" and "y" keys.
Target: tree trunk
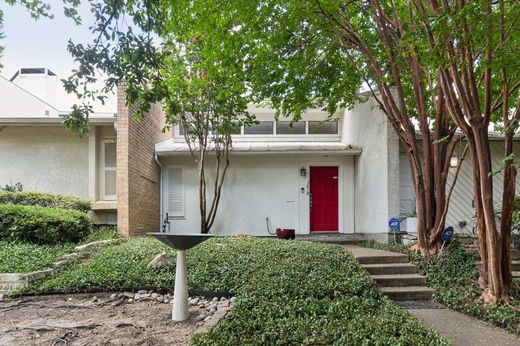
{"x": 495, "y": 289}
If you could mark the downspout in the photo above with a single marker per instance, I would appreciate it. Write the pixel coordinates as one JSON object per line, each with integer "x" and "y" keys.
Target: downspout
{"x": 156, "y": 157}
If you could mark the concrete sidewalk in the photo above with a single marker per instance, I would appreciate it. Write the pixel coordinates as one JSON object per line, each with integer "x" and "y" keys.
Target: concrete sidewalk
{"x": 461, "y": 329}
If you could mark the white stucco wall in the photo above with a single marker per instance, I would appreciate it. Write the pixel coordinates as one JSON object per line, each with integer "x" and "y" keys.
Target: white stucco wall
{"x": 260, "y": 186}
{"x": 44, "y": 158}
{"x": 376, "y": 169}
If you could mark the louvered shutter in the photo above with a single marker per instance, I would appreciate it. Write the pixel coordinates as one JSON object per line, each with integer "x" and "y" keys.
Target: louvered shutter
{"x": 176, "y": 192}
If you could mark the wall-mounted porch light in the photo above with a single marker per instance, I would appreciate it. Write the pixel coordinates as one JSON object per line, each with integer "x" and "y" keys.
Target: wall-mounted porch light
{"x": 454, "y": 161}
{"x": 303, "y": 172}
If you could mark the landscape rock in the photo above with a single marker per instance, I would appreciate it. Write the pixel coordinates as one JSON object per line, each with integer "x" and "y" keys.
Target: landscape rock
{"x": 233, "y": 300}
{"x": 128, "y": 294}
{"x": 113, "y": 296}
{"x": 154, "y": 295}
{"x": 194, "y": 301}
{"x": 160, "y": 299}
{"x": 160, "y": 260}
{"x": 215, "y": 299}
{"x": 211, "y": 306}
{"x": 94, "y": 243}
{"x": 142, "y": 292}
{"x": 200, "y": 318}
{"x": 207, "y": 318}
{"x": 137, "y": 296}
{"x": 223, "y": 298}
{"x": 212, "y": 311}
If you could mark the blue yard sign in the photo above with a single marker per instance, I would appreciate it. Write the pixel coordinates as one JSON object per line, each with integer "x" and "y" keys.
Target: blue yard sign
{"x": 394, "y": 224}
{"x": 447, "y": 234}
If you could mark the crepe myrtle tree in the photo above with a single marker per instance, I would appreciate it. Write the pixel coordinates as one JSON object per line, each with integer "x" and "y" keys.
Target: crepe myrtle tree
{"x": 432, "y": 66}
{"x": 131, "y": 45}
{"x": 319, "y": 53}
{"x": 209, "y": 104}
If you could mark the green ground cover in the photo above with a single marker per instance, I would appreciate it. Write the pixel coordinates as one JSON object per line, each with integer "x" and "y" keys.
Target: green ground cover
{"x": 290, "y": 293}
{"x": 16, "y": 257}
{"x": 24, "y": 257}
{"x": 454, "y": 279}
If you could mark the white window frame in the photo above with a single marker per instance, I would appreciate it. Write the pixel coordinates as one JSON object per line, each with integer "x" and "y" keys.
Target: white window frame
{"x": 103, "y": 169}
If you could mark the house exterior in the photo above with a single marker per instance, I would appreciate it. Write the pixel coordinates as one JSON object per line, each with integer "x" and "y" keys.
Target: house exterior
{"x": 343, "y": 173}
{"x": 113, "y": 165}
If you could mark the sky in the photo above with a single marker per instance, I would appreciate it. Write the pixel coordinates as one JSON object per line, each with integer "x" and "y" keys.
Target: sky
{"x": 43, "y": 43}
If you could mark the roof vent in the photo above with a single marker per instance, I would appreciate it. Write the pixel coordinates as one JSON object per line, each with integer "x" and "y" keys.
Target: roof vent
{"x": 33, "y": 71}
{"x": 39, "y": 81}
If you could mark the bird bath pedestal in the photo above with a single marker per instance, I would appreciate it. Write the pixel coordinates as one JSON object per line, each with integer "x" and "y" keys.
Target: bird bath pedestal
{"x": 181, "y": 242}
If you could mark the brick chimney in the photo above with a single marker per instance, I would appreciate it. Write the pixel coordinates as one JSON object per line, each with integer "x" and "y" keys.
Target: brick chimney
{"x": 138, "y": 175}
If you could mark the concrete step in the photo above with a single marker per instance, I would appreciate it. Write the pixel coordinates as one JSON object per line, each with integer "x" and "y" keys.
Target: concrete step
{"x": 390, "y": 268}
{"x": 382, "y": 259}
{"x": 408, "y": 293}
{"x": 399, "y": 280}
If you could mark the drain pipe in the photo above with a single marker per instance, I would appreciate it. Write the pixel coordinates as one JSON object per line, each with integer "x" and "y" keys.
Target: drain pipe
{"x": 156, "y": 157}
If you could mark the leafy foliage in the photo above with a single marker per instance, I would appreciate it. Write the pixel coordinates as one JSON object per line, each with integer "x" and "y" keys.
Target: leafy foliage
{"x": 12, "y": 187}
{"x": 17, "y": 257}
{"x": 44, "y": 199}
{"x": 42, "y": 225}
{"x": 99, "y": 233}
{"x": 289, "y": 292}
{"x": 454, "y": 278}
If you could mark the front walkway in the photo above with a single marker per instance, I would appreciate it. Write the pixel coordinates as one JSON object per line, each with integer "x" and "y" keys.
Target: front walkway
{"x": 458, "y": 328}
{"x": 461, "y": 329}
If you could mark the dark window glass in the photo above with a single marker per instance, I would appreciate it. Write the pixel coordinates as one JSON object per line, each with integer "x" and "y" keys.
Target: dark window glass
{"x": 262, "y": 128}
{"x": 286, "y": 128}
{"x": 234, "y": 131}
{"x": 323, "y": 127}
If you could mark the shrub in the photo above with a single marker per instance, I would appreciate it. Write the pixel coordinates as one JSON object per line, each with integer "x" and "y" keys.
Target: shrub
{"x": 42, "y": 225}
{"x": 44, "y": 199}
{"x": 12, "y": 188}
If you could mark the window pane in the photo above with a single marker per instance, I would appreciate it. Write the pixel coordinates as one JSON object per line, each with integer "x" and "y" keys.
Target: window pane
{"x": 110, "y": 154}
{"x": 262, "y": 128}
{"x": 323, "y": 127}
{"x": 235, "y": 131}
{"x": 284, "y": 128}
{"x": 110, "y": 183}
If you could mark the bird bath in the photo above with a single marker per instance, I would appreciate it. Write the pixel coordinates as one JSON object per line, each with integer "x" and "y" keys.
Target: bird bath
{"x": 181, "y": 243}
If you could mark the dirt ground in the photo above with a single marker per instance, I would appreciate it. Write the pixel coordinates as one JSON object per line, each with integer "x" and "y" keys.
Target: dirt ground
{"x": 78, "y": 320}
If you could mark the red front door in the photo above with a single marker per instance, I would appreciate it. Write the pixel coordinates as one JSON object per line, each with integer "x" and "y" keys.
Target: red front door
{"x": 324, "y": 199}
